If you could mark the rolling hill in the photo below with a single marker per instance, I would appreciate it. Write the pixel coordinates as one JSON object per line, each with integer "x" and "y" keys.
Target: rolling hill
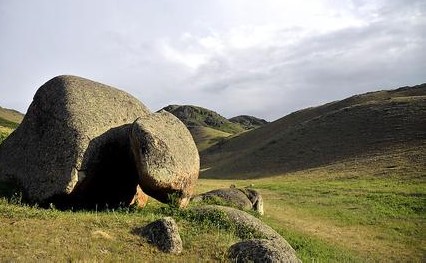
{"x": 371, "y": 124}
{"x": 9, "y": 120}
{"x": 208, "y": 127}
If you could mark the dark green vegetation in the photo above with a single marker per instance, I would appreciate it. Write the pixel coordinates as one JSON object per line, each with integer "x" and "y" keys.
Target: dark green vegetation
{"x": 370, "y": 124}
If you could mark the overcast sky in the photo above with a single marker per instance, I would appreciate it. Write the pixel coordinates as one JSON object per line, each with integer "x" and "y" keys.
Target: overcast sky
{"x": 265, "y": 58}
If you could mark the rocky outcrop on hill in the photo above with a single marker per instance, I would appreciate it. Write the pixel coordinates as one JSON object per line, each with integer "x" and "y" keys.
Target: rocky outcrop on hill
{"x": 248, "y": 122}
{"x": 73, "y": 146}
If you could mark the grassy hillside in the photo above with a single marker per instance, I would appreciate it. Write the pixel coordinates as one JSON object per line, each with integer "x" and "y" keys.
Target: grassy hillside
{"x": 198, "y": 116}
{"x": 207, "y": 127}
{"x": 205, "y": 137}
{"x": 10, "y": 115}
{"x": 371, "y": 124}
{"x": 9, "y": 120}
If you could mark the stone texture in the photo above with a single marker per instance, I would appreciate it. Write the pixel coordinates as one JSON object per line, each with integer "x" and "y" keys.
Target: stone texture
{"x": 166, "y": 158}
{"x": 66, "y": 136}
{"x": 260, "y": 251}
{"x": 241, "y": 198}
{"x": 255, "y": 198}
{"x": 164, "y": 233}
{"x": 226, "y": 196}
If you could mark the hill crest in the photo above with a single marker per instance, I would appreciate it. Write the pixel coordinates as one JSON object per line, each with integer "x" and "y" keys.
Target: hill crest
{"x": 370, "y": 123}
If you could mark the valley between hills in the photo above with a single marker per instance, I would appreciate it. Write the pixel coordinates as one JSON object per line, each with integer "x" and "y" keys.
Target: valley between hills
{"x": 341, "y": 182}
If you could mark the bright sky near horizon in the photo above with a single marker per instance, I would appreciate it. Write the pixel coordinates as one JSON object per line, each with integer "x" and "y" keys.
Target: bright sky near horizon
{"x": 263, "y": 58}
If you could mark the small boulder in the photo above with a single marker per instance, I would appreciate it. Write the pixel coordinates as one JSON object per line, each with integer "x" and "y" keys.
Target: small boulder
{"x": 164, "y": 233}
{"x": 260, "y": 250}
{"x": 166, "y": 158}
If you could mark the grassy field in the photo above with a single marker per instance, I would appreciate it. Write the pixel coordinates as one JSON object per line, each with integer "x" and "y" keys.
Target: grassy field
{"x": 358, "y": 211}
{"x": 374, "y": 213}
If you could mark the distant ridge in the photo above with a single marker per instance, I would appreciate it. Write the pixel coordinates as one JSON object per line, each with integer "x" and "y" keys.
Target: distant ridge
{"x": 378, "y": 123}
{"x": 198, "y": 116}
{"x": 208, "y": 127}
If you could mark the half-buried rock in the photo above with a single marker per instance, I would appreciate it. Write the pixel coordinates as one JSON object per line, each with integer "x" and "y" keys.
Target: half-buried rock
{"x": 72, "y": 146}
{"x": 241, "y": 198}
{"x": 166, "y": 158}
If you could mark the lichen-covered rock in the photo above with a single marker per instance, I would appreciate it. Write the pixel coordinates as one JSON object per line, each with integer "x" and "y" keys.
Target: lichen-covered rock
{"x": 225, "y": 196}
{"x": 166, "y": 158}
{"x": 65, "y": 138}
{"x": 255, "y": 198}
{"x": 164, "y": 233}
{"x": 241, "y": 198}
{"x": 260, "y": 251}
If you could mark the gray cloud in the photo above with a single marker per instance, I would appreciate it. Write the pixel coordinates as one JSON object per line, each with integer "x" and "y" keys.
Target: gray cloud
{"x": 234, "y": 57}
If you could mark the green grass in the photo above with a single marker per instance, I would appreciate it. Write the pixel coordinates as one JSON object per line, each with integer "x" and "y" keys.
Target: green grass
{"x": 4, "y": 133}
{"x": 8, "y": 124}
{"x": 349, "y": 212}
{"x": 30, "y": 234}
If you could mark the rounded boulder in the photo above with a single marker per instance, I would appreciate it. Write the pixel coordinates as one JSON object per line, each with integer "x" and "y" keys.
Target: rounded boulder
{"x": 166, "y": 158}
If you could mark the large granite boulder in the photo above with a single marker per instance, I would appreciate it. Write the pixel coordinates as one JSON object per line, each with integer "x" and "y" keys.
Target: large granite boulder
{"x": 74, "y": 143}
{"x": 166, "y": 158}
